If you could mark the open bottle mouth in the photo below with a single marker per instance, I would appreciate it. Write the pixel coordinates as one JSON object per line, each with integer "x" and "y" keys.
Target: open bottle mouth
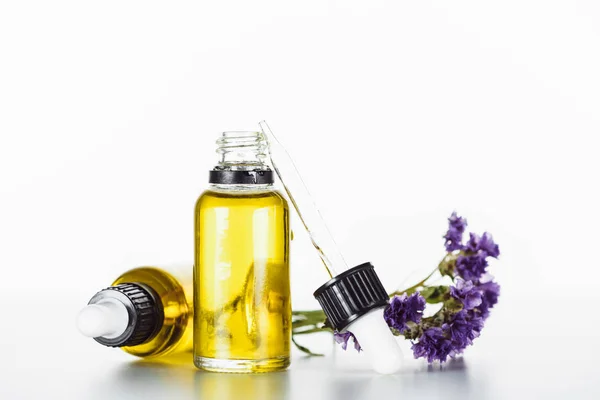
{"x": 238, "y": 148}
{"x": 242, "y": 159}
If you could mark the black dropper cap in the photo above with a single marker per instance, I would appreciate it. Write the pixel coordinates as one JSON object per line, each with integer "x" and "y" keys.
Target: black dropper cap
{"x": 350, "y": 295}
{"x": 144, "y": 308}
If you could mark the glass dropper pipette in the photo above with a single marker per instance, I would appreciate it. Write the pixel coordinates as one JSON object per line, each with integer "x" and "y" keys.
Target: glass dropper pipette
{"x": 303, "y": 203}
{"x": 354, "y": 298}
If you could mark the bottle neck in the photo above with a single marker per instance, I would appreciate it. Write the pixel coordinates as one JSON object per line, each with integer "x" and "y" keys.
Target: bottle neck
{"x": 242, "y": 151}
{"x": 242, "y": 161}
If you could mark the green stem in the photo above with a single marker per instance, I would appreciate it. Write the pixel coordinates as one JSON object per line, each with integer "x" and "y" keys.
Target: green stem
{"x": 415, "y": 286}
{"x": 309, "y": 313}
{"x": 305, "y": 349}
{"x": 312, "y": 330}
{"x": 304, "y": 321}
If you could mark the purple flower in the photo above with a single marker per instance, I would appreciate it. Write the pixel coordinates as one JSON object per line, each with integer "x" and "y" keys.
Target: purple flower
{"x": 468, "y": 294}
{"x": 437, "y": 344}
{"x": 403, "y": 309}
{"x": 484, "y": 243}
{"x": 342, "y": 338}
{"x": 462, "y": 330}
{"x": 489, "y": 297}
{"x": 448, "y": 332}
{"x": 471, "y": 267}
{"x": 433, "y": 345}
{"x": 456, "y": 228}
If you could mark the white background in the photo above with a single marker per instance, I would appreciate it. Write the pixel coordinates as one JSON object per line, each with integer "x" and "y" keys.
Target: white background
{"x": 396, "y": 113}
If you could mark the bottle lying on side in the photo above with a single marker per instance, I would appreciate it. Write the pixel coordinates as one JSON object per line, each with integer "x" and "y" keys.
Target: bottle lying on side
{"x": 147, "y": 312}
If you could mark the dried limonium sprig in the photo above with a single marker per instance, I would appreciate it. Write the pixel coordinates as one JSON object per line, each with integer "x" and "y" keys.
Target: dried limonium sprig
{"x": 465, "y": 302}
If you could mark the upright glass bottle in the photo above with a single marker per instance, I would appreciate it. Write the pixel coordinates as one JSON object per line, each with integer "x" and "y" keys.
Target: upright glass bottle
{"x": 242, "y": 303}
{"x": 147, "y": 312}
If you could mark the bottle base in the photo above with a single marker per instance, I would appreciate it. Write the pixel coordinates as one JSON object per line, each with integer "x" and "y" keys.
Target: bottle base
{"x": 242, "y": 366}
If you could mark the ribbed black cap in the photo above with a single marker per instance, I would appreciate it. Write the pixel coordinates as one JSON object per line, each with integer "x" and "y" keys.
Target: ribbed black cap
{"x": 146, "y": 314}
{"x": 227, "y": 177}
{"x": 350, "y": 295}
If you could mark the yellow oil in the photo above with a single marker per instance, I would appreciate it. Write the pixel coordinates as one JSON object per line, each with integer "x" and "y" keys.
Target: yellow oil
{"x": 175, "y": 291}
{"x": 242, "y": 285}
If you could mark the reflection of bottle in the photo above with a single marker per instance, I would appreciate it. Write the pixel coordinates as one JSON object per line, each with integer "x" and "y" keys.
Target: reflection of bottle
{"x": 147, "y": 312}
{"x": 242, "y": 285}
{"x": 240, "y": 386}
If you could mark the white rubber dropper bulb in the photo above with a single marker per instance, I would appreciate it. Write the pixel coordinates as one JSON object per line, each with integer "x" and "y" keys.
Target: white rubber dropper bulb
{"x": 108, "y": 318}
{"x": 378, "y": 343}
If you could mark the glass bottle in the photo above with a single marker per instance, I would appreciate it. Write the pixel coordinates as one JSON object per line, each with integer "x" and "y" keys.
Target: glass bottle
{"x": 241, "y": 266}
{"x": 147, "y": 312}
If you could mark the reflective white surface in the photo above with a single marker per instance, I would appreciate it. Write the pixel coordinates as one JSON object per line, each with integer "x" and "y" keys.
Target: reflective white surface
{"x": 548, "y": 353}
{"x": 497, "y": 377}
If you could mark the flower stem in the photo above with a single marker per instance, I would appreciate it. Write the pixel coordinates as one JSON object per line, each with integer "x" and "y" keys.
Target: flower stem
{"x": 414, "y": 287}
{"x": 305, "y": 349}
{"x": 312, "y": 330}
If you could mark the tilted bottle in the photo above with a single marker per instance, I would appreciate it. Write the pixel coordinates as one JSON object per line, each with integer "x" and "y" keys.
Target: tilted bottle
{"x": 147, "y": 312}
{"x": 241, "y": 267}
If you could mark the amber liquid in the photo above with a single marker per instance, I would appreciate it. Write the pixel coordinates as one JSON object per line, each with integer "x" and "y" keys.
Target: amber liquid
{"x": 175, "y": 291}
{"x": 241, "y": 281}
